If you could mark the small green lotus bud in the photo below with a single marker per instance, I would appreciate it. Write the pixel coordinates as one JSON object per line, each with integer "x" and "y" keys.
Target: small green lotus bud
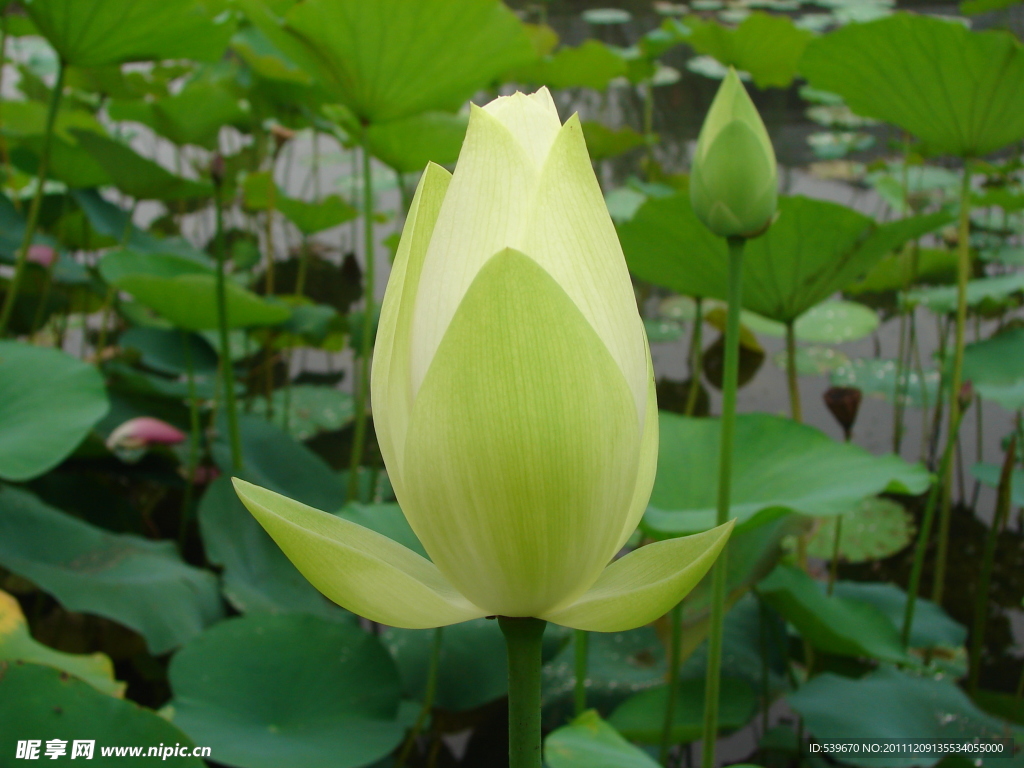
{"x": 733, "y": 185}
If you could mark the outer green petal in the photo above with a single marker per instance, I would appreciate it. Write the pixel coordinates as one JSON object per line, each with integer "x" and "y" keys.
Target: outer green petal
{"x": 532, "y": 120}
{"x": 643, "y": 585}
{"x": 648, "y": 465}
{"x": 390, "y": 392}
{"x": 571, "y": 235}
{"x": 357, "y": 568}
{"x": 521, "y": 458}
{"x": 483, "y": 212}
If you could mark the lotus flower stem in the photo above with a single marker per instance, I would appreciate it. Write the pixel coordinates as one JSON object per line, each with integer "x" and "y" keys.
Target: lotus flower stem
{"x": 193, "y": 440}
{"x": 794, "y": 387}
{"x": 924, "y": 534}
{"x": 366, "y": 342}
{"x": 988, "y": 558}
{"x": 523, "y": 637}
{"x": 674, "y": 662}
{"x": 580, "y": 643}
{"x": 37, "y": 200}
{"x": 718, "y": 573}
{"x": 429, "y": 694}
{"x": 963, "y": 273}
{"x": 226, "y": 364}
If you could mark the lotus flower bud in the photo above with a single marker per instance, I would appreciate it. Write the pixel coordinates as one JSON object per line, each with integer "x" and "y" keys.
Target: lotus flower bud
{"x": 144, "y": 431}
{"x": 43, "y": 255}
{"x": 514, "y": 402}
{"x": 733, "y": 184}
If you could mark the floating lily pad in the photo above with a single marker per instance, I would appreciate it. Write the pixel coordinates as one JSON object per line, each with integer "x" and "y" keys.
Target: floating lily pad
{"x": 606, "y": 16}
{"x": 36, "y": 436}
{"x": 995, "y": 367}
{"x": 968, "y": 105}
{"x": 661, "y": 330}
{"x": 590, "y": 742}
{"x": 889, "y": 704}
{"x": 267, "y": 691}
{"x": 874, "y": 529}
{"x": 832, "y": 145}
{"x": 814, "y": 361}
{"x": 989, "y": 475}
{"x": 831, "y": 322}
{"x": 1001, "y": 290}
{"x": 778, "y": 464}
{"x": 17, "y": 644}
{"x": 311, "y": 409}
{"x": 41, "y": 703}
{"x": 140, "y": 583}
{"x": 878, "y": 378}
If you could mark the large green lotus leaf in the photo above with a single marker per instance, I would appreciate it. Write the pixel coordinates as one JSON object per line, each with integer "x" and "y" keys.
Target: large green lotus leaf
{"x": 778, "y": 464}
{"x": 640, "y": 718}
{"x": 995, "y": 367}
{"x": 874, "y": 529}
{"x": 36, "y": 434}
{"x": 69, "y": 162}
{"x": 269, "y": 691}
{"x": 310, "y": 218}
{"x": 408, "y": 144}
{"x": 933, "y": 628}
{"x": 275, "y": 460}
{"x": 17, "y": 644}
{"x": 889, "y": 704}
{"x": 590, "y": 742}
{"x": 894, "y": 271}
{"x": 767, "y": 46}
{"x": 878, "y": 378}
{"x": 256, "y": 576}
{"x": 387, "y": 520}
{"x": 955, "y": 89}
{"x": 394, "y": 58}
{"x": 472, "y": 671}
{"x": 1001, "y": 290}
{"x": 165, "y": 351}
{"x": 989, "y": 475}
{"x": 194, "y": 115}
{"x": 814, "y": 249}
{"x": 834, "y": 624}
{"x": 103, "y": 32}
{"x": 591, "y": 65}
{"x": 139, "y": 583}
{"x": 604, "y": 142}
{"x": 115, "y": 266}
{"x": 831, "y": 322}
{"x": 136, "y": 175}
{"x": 41, "y": 703}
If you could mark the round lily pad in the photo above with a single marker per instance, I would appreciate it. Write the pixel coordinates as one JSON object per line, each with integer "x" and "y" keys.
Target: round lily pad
{"x": 874, "y": 529}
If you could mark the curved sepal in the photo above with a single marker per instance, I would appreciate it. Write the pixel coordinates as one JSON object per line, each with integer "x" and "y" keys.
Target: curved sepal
{"x": 359, "y": 569}
{"x": 643, "y": 585}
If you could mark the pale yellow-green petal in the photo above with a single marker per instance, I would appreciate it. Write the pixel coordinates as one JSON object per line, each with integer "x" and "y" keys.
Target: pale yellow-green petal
{"x": 532, "y": 120}
{"x": 648, "y": 464}
{"x": 359, "y": 569}
{"x": 391, "y": 394}
{"x": 483, "y": 211}
{"x": 522, "y": 453}
{"x": 571, "y": 235}
{"x": 645, "y": 584}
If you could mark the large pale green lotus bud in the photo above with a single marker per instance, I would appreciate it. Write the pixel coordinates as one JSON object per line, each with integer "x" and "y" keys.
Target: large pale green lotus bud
{"x": 513, "y": 398}
{"x": 733, "y": 182}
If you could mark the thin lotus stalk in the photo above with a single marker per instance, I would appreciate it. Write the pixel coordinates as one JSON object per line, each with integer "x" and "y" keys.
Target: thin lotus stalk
{"x": 696, "y": 357}
{"x": 580, "y": 652}
{"x": 37, "y": 200}
{"x": 675, "y": 662}
{"x": 366, "y": 342}
{"x": 226, "y": 363}
{"x": 924, "y": 534}
{"x": 429, "y": 695}
{"x": 987, "y": 561}
{"x": 791, "y": 377}
{"x": 523, "y": 638}
{"x": 193, "y": 441}
{"x": 963, "y": 273}
{"x": 718, "y": 578}
{"x": 833, "y": 566}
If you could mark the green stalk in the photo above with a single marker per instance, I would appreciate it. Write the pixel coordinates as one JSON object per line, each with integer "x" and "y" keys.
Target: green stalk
{"x": 833, "y": 566}
{"x": 523, "y": 637}
{"x": 366, "y": 343}
{"x": 193, "y": 440}
{"x": 226, "y": 366}
{"x": 729, "y": 380}
{"x": 963, "y": 273}
{"x": 987, "y": 560}
{"x": 37, "y": 200}
{"x": 925, "y": 533}
{"x": 791, "y": 379}
{"x": 429, "y": 694}
{"x": 674, "y": 662}
{"x": 580, "y": 643}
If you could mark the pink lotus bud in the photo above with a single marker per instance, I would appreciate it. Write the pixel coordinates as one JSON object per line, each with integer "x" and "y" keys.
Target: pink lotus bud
{"x": 143, "y": 432}
{"x": 43, "y": 255}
